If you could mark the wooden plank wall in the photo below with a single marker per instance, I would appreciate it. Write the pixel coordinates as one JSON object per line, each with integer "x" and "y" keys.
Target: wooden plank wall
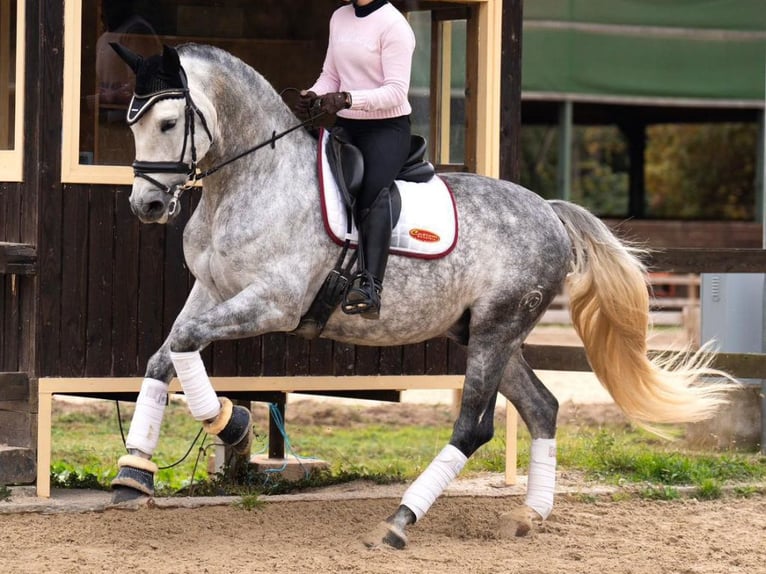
{"x": 108, "y": 288}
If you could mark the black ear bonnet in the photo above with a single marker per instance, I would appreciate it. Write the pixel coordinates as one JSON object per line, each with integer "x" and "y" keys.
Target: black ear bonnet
{"x": 158, "y": 77}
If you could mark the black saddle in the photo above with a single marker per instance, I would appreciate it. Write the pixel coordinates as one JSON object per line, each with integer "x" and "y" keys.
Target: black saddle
{"x": 347, "y": 164}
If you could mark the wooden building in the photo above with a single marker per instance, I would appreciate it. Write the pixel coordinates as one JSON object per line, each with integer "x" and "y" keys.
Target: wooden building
{"x": 86, "y": 291}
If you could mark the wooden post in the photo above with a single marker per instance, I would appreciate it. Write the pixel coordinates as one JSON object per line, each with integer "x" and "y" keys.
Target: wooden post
{"x": 510, "y": 89}
{"x": 511, "y": 443}
{"x": 276, "y": 440}
{"x": 510, "y": 165}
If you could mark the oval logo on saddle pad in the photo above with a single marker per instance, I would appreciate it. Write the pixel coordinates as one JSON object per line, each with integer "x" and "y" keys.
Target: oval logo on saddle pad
{"x": 423, "y": 235}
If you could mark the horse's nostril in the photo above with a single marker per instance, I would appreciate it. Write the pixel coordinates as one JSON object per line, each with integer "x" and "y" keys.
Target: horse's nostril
{"x": 154, "y": 208}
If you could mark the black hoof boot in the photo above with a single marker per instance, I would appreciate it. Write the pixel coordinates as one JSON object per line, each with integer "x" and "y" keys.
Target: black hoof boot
{"x": 233, "y": 425}
{"x": 134, "y": 480}
{"x": 363, "y": 297}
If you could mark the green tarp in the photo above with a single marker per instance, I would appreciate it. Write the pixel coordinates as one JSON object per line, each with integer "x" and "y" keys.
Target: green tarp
{"x": 691, "y": 49}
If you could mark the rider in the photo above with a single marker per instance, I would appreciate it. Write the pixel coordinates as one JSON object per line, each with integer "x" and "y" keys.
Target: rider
{"x": 365, "y": 79}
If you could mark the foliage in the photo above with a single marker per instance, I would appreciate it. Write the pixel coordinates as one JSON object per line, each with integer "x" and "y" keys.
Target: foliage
{"x": 709, "y": 489}
{"x": 599, "y": 166}
{"x": 611, "y": 454}
{"x": 661, "y": 492}
{"x": 5, "y": 492}
{"x": 250, "y": 502}
{"x": 702, "y": 171}
{"x": 64, "y": 475}
{"x": 695, "y": 171}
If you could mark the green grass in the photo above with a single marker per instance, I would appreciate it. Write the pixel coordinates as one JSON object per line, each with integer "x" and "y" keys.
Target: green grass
{"x": 86, "y": 446}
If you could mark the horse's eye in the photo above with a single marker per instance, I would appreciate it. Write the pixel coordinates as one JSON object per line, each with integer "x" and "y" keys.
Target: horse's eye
{"x": 167, "y": 125}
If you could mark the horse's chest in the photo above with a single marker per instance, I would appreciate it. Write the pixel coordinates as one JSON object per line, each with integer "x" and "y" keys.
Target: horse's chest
{"x": 221, "y": 274}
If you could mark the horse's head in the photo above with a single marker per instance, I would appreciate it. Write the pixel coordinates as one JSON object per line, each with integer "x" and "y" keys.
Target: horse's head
{"x": 170, "y": 131}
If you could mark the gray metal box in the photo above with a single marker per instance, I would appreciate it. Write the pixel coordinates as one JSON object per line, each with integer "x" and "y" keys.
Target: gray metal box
{"x": 731, "y": 312}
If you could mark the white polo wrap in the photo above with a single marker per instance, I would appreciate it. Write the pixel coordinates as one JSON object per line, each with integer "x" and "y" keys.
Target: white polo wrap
{"x": 542, "y": 476}
{"x": 145, "y": 426}
{"x": 200, "y": 394}
{"x": 431, "y": 483}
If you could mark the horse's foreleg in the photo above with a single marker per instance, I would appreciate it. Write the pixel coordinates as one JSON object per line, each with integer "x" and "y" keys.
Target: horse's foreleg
{"x": 136, "y": 472}
{"x": 538, "y": 409}
{"x": 244, "y": 315}
{"x": 473, "y": 428}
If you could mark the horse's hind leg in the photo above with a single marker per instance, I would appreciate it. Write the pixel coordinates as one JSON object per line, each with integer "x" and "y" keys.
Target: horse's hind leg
{"x": 473, "y": 428}
{"x": 538, "y": 409}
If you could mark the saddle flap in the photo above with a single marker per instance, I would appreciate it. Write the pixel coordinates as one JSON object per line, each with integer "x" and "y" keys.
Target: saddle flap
{"x": 346, "y": 164}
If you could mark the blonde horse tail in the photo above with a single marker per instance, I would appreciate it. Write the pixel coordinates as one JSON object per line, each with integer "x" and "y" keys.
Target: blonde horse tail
{"x": 609, "y": 305}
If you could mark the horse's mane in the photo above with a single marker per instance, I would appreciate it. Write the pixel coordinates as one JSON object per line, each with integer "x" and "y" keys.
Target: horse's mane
{"x": 244, "y": 93}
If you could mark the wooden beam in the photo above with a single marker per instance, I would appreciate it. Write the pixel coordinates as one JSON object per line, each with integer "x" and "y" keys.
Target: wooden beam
{"x": 18, "y": 258}
{"x": 570, "y": 358}
{"x": 720, "y": 260}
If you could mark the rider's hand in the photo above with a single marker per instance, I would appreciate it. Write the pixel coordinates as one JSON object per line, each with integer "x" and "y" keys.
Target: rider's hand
{"x": 334, "y": 102}
{"x": 303, "y": 107}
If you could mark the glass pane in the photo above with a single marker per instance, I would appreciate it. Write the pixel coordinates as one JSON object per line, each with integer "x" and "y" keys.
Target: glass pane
{"x": 7, "y": 73}
{"x": 420, "y": 81}
{"x": 286, "y": 46}
{"x": 457, "y": 93}
{"x": 421, "y": 96}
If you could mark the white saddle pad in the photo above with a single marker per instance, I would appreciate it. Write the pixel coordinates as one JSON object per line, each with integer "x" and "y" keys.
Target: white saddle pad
{"x": 427, "y": 227}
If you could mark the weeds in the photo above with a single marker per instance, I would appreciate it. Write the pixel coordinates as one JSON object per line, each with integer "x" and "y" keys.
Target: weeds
{"x": 86, "y": 449}
{"x": 250, "y": 502}
{"x": 659, "y": 492}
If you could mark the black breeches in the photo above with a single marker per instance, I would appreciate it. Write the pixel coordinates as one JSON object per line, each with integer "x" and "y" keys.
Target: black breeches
{"x": 385, "y": 145}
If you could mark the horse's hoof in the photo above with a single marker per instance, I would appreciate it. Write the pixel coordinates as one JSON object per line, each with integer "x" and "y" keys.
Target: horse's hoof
{"x": 234, "y": 426}
{"x": 134, "y": 479}
{"x": 122, "y": 494}
{"x": 517, "y": 522}
{"x": 388, "y": 535}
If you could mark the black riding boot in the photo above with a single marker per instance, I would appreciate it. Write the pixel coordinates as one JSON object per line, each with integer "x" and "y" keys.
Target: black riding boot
{"x": 363, "y": 295}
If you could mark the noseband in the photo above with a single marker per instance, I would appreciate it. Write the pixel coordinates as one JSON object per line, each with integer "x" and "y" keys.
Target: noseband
{"x": 139, "y": 105}
{"x": 142, "y": 169}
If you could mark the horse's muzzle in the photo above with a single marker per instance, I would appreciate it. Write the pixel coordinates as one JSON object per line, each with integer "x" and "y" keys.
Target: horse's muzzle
{"x": 155, "y": 211}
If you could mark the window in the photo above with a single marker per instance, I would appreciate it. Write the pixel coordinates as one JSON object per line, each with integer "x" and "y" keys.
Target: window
{"x": 286, "y": 46}
{"x": 455, "y": 89}
{"x": 11, "y": 89}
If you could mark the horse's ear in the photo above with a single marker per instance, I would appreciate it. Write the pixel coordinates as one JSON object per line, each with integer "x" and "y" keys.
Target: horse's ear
{"x": 130, "y": 58}
{"x": 171, "y": 63}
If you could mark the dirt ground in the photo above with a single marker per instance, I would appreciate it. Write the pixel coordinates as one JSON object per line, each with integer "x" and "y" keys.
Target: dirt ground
{"x": 457, "y": 536}
{"x": 589, "y": 532}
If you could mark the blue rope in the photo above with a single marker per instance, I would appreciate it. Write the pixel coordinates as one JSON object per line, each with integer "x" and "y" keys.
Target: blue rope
{"x": 276, "y": 416}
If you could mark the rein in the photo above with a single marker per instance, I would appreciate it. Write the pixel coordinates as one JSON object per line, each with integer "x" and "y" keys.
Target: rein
{"x": 142, "y": 169}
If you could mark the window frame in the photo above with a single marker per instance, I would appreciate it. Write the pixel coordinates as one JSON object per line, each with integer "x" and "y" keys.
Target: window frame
{"x": 12, "y": 160}
{"x": 72, "y": 171}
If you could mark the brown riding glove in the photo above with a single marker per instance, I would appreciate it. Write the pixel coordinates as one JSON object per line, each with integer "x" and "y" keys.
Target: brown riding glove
{"x": 334, "y": 102}
{"x": 304, "y": 107}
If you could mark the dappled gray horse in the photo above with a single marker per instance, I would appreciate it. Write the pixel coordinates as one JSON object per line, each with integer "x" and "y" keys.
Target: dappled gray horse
{"x": 198, "y": 107}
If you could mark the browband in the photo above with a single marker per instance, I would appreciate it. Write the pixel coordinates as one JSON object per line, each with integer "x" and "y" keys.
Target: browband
{"x": 140, "y": 104}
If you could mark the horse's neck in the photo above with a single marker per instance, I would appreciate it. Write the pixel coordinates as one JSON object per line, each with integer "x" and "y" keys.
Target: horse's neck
{"x": 270, "y": 186}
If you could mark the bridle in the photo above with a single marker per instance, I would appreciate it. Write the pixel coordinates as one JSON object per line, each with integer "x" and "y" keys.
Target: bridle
{"x": 142, "y": 169}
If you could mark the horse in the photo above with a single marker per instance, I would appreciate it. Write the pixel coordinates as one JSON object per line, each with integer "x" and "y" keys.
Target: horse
{"x": 194, "y": 111}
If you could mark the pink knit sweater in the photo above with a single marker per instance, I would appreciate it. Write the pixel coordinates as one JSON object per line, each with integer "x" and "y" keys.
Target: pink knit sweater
{"x": 371, "y": 58}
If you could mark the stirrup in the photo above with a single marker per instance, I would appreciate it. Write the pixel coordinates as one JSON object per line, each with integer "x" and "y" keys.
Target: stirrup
{"x": 363, "y": 297}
